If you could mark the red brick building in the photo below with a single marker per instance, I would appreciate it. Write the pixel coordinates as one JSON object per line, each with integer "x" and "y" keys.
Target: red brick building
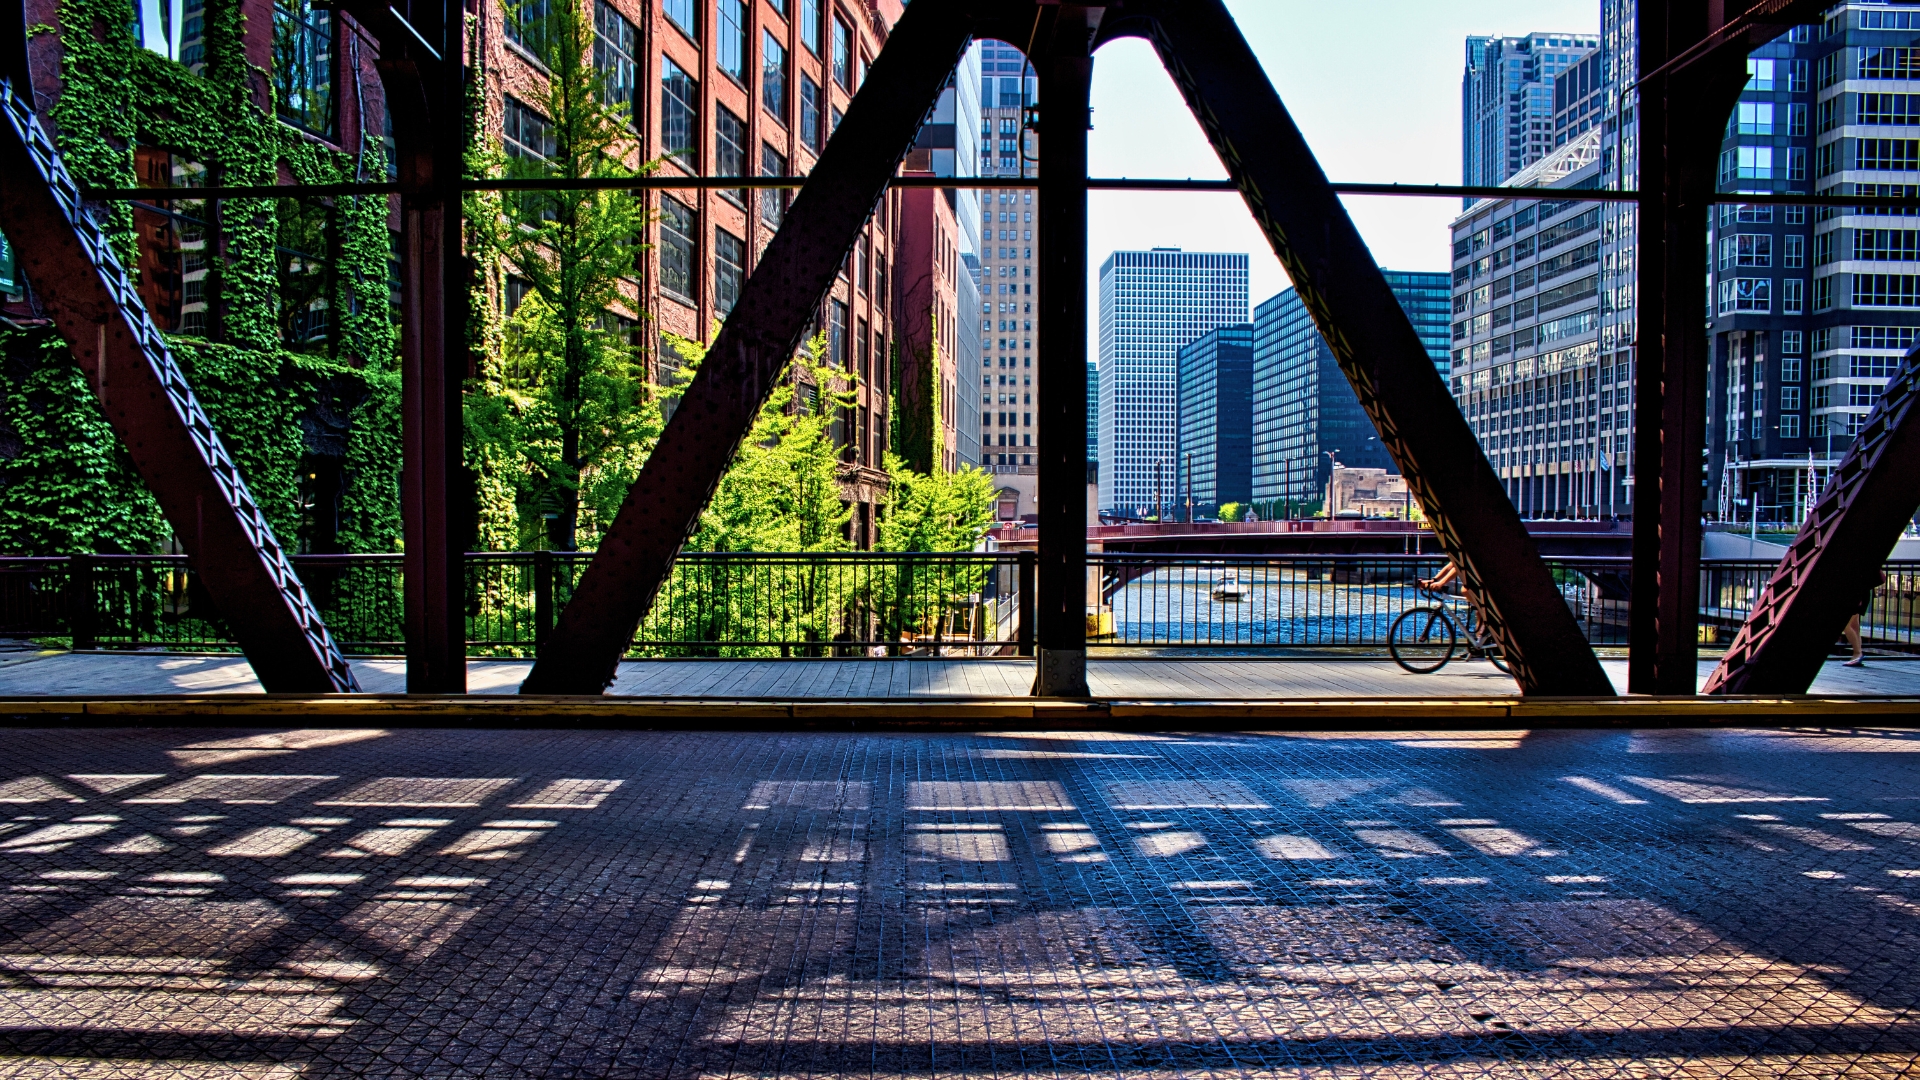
{"x": 926, "y": 269}
{"x": 729, "y": 88}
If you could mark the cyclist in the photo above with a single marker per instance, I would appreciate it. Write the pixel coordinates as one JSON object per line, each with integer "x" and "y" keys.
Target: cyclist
{"x": 1441, "y": 580}
{"x": 1448, "y": 575}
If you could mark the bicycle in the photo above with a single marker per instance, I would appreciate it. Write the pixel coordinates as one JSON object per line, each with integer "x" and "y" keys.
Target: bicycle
{"x": 1423, "y": 639}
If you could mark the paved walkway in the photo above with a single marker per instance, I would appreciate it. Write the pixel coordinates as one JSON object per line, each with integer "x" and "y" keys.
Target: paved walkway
{"x": 61, "y": 674}
{"x": 326, "y": 905}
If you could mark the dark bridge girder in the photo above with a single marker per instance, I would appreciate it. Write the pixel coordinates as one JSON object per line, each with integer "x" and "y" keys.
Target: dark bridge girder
{"x": 423, "y": 75}
{"x": 70, "y": 264}
{"x": 1833, "y": 563}
{"x": 1289, "y": 196}
{"x": 1692, "y": 69}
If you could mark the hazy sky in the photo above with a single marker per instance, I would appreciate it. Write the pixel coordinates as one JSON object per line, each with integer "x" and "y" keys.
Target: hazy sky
{"x": 1375, "y": 85}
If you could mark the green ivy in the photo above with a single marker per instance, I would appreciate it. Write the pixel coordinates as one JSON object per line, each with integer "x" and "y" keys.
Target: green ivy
{"x": 65, "y": 482}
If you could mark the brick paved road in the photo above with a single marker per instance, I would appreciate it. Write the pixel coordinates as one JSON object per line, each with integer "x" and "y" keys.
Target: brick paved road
{"x": 456, "y": 903}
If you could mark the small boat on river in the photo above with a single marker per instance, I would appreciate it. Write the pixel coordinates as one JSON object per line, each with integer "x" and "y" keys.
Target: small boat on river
{"x": 1229, "y": 590}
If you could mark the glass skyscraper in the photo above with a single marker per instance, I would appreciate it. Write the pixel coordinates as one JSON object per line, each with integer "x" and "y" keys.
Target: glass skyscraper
{"x": 1151, "y": 304}
{"x": 1506, "y": 101}
{"x": 1216, "y": 420}
{"x": 1303, "y": 407}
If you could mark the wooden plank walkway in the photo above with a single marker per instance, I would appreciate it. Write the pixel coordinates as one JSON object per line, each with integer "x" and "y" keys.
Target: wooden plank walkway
{"x": 57, "y": 674}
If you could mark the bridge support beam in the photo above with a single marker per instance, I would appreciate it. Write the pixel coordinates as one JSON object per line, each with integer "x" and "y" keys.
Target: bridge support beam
{"x": 1834, "y": 562}
{"x": 1066, "y": 77}
{"x": 422, "y": 73}
{"x": 1693, "y": 67}
{"x": 70, "y": 264}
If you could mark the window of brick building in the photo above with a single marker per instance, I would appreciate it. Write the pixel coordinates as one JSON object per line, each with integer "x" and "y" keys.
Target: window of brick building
{"x": 729, "y": 270}
{"x": 679, "y": 115}
{"x": 773, "y": 77}
{"x": 614, "y": 49}
{"x": 677, "y": 249}
{"x": 303, "y": 66}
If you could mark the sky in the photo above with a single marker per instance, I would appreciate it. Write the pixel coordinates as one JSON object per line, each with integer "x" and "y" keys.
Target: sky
{"x": 1375, "y": 86}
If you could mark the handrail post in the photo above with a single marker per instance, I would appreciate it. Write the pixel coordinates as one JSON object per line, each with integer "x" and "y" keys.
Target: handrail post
{"x": 542, "y": 597}
{"x": 82, "y": 616}
{"x": 1029, "y": 567}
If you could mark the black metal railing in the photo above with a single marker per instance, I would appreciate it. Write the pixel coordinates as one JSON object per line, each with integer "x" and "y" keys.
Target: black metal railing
{"x": 1276, "y": 603}
{"x": 859, "y": 603}
{"x": 713, "y": 604}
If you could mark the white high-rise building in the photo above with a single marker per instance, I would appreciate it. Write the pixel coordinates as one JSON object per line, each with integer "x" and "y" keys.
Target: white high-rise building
{"x": 1151, "y": 304}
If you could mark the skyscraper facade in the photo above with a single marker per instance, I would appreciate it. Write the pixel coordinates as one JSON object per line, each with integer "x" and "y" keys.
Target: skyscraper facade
{"x": 1151, "y": 304}
{"x": 1008, "y": 391}
{"x": 1506, "y": 101}
{"x": 1216, "y": 420}
{"x": 1527, "y": 366}
{"x": 1811, "y": 308}
{"x": 1305, "y": 416}
{"x": 947, "y": 146}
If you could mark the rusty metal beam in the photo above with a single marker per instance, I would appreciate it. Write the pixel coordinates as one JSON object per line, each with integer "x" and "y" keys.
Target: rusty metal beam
{"x": 752, "y": 351}
{"x": 1371, "y": 338}
{"x": 1834, "y": 562}
{"x": 1065, "y": 63}
{"x": 423, "y": 77}
{"x": 1695, "y": 61}
{"x": 71, "y": 266}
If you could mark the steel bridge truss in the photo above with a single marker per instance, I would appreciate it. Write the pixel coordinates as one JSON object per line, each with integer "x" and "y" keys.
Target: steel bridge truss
{"x": 1691, "y": 53}
{"x": 145, "y": 396}
{"x": 1834, "y": 562}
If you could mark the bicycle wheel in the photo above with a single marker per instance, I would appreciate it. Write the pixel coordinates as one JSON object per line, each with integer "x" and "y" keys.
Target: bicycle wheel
{"x": 1422, "y": 640}
{"x": 1498, "y": 658}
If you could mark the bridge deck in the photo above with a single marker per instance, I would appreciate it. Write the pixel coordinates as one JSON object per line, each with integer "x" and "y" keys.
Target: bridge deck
{"x": 53, "y": 674}
{"x": 346, "y": 904}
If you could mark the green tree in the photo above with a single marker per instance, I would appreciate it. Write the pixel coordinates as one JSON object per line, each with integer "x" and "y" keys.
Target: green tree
{"x": 937, "y": 511}
{"x": 565, "y": 416}
{"x": 1233, "y": 511}
{"x": 782, "y": 491}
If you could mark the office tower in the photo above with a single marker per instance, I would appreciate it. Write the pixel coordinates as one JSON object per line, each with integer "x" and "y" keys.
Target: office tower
{"x": 1216, "y": 420}
{"x": 1619, "y": 154}
{"x": 1093, "y": 411}
{"x": 1008, "y": 390}
{"x": 1506, "y": 101}
{"x": 1528, "y": 371}
{"x": 1427, "y": 298}
{"x": 1305, "y": 416}
{"x": 1812, "y": 309}
{"x": 1151, "y": 304}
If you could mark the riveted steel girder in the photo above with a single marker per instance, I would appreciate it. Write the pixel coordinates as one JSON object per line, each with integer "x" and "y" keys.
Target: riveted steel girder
{"x": 752, "y": 351}
{"x": 423, "y": 77}
{"x": 1833, "y": 563}
{"x": 79, "y": 281}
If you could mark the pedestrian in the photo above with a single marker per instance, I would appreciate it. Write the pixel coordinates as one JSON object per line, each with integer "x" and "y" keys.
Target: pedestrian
{"x": 1853, "y": 626}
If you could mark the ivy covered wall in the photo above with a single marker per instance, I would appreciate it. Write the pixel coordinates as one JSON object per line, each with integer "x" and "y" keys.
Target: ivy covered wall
{"x": 295, "y": 353}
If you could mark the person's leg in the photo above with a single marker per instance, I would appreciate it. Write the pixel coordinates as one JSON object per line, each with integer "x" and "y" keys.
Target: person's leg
{"x": 1853, "y": 642}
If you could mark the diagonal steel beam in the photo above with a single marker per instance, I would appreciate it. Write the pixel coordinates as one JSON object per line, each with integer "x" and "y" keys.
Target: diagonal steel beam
{"x": 1372, "y": 339}
{"x": 145, "y": 396}
{"x": 1834, "y": 562}
{"x": 753, "y": 348}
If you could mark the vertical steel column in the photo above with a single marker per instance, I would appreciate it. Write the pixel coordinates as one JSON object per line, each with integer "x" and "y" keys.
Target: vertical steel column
{"x": 1681, "y": 112}
{"x": 430, "y": 381}
{"x": 423, "y": 72}
{"x": 1066, "y": 76}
